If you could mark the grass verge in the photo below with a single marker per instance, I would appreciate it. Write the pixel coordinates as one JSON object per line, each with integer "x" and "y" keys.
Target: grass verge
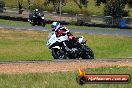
{"x": 61, "y": 79}
{"x": 30, "y": 45}
{"x": 16, "y": 23}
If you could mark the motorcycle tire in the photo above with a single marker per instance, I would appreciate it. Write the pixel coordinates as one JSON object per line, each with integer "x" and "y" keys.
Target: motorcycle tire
{"x": 33, "y": 24}
{"x": 43, "y": 24}
{"x": 87, "y": 53}
{"x": 55, "y": 54}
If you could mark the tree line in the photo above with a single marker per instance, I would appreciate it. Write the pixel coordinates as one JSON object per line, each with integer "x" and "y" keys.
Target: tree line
{"x": 114, "y": 8}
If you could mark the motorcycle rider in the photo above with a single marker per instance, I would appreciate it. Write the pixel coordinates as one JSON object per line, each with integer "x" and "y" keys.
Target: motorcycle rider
{"x": 36, "y": 12}
{"x": 62, "y": 30}
{"x": 36, "y": 17}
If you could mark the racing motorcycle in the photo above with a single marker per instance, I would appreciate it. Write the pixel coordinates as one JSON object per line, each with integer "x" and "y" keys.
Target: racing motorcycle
{"x": 63, "y": 49}
{"x": 37, "y": 20}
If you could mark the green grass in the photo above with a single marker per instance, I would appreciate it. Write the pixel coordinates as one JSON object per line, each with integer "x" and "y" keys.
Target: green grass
{"x": 30, "y": 45}
{"x": 23, "y": 45}
{"x": 61, "y": 79}
{"x": 16, "y": 23}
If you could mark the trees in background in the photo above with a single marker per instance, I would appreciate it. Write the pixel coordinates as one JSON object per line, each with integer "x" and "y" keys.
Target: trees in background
{"x": 56, "y": 4}
{"x": 29, "y": 3}
{"x": 82, "y": 4}
{"x": 2, "y": 5}
{"x": 20, "y": 3}
{"x": 115, "y": 8}
{"x": 111, "y": 7}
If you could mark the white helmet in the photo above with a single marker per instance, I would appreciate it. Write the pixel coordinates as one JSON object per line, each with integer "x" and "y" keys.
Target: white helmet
{"x": 36, "y": 10}
{"x": 55, "y": 25}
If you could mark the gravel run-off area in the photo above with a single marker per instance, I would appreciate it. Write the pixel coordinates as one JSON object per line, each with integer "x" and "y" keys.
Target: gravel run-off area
{"x": 20, "y": 67}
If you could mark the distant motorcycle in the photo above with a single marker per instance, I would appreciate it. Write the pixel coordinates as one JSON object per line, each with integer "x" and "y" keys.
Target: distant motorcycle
{"x": 37, "y": 20}
{"x": 63, "y": 49}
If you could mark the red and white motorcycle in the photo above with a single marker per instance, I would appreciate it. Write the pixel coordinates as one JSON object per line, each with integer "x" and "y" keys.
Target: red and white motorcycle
{"x": 62, "y": 48}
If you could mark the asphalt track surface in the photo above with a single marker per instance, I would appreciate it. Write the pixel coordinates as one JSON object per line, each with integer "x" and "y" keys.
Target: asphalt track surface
{"x": 66, "y": 60}
{"x": 127, "y": 32}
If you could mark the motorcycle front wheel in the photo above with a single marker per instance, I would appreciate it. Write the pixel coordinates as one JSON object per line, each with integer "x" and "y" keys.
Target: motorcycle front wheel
{"x": 87, "y": 53}
{"x": 43, "y": 24}
{"x": 33, "y": 24}
{"x": 57, "y": 54}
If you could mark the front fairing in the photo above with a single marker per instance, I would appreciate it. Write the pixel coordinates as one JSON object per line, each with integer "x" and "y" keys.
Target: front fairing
{"x": 51, "y": 39}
